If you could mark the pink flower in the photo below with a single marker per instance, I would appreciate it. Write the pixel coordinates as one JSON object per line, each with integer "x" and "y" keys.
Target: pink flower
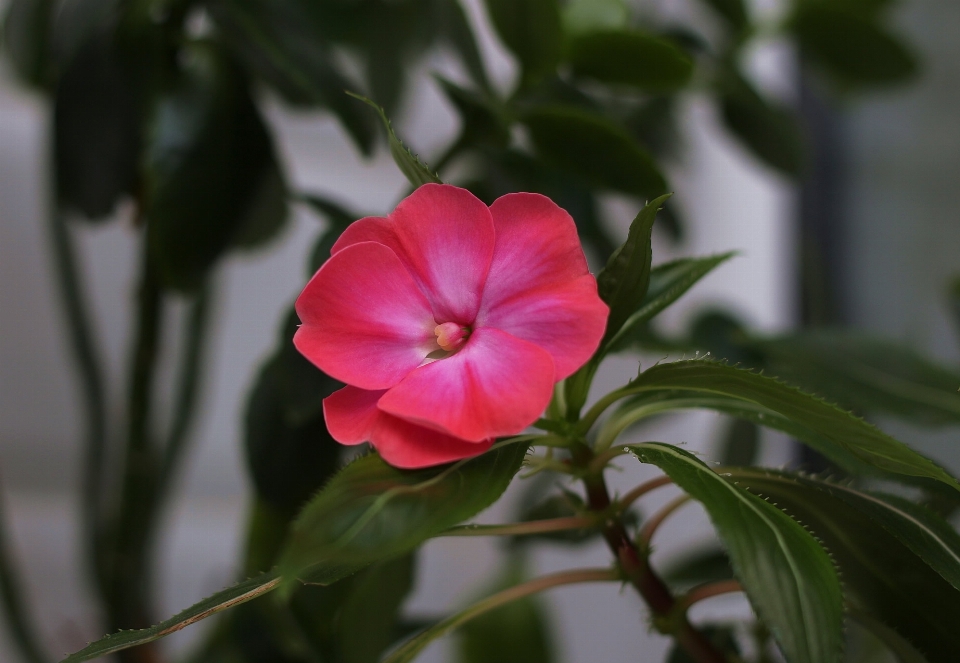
{"x": 449, "y": 321}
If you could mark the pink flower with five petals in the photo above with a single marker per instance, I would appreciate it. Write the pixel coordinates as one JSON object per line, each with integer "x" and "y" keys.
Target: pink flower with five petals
{"x": 449, "y": 321}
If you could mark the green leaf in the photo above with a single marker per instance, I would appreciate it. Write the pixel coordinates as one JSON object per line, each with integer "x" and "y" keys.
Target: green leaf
{"x": 222, "y": 600}
{"x": 740, "y": 444}
{"x": 697, "y": 568}
{"x": 893, "y": 641}
{"x": 26, "y": 39}
{"x": 455, "y": 28}
{"x": 954, "y": 298}
{"x": 285, "y": 45}
{"x": 668, "y": 282}
{"x": 368, "y": 619}
{"x": 207, "y": 156}
{"x": 518, "y": 632}
{"x": 650, "y": 63}
{"x": 866, "y": 374}
{"x": 290, "y": 453}
{"x": 96, "y": 130}
{"x": 786, "y": 574}
{"x": 532, "y": 30}
{"x": 266, "y": 213}
{"x": 371, "y": 511}
{"x": 840, "y": 430}
{"x": 623, "y": 283}
{"x": 582, "y": 16}
{"x": 771, "y": 131}
{"x": 853, "y": 49}
{"x": 733, "y": 11}
{"x": 481, "y": 122}
{"x": 409, "y": 163}
{"x": 594, "y": 149}
{"x": 883, "y": 551}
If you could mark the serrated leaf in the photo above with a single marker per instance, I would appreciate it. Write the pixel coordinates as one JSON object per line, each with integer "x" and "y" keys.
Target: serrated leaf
{"x": 875, "y": 543}
{"x": 786, "y": 574}
{"x": 594, "y": 149}
{"x": 668, "y": 282}
{"x": 371, "y": 511}
{"x": 532, "y": 30}
{"x": 838, "y": 429}
{"x": 629, "y": 57}
{"x": 769, "y": 130}
{"x": 623, "y": 283}
{"x": 207, "y": 154}
{"x": 416, "y": 171}
{"x": 866, "y": 374}
{"x": 855, "y": 49}
{"x": 222, "y": 600}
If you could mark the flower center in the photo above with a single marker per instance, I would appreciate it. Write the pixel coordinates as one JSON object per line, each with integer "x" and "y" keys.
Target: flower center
{"x": 451, "y": 336}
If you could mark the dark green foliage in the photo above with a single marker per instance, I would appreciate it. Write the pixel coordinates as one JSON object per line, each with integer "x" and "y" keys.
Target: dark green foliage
{"x": 531, "y": 30}
{"x": 593, "y": 148}
{"x": 854, "y": 49}
{"x": 517, "y": 632}
{"x": 371, "y": 511}
{"x": 96, "y": 130}
{"x": 723, "y": 637}
{"x": 787, "y": 575}
{"x": 208, "y": 158}
{"x": 769, "y": 130}
{"x": 889, "y": 555}
{"x": 26, "y": 35}
{"x": 733, "y": 11}
{"x": 290, "y": 454}
{"x": 483, "y": 122}
{"x": 697, "y": 568}
{"x": 630, "y": 58}
{"x": 740, "y": 443}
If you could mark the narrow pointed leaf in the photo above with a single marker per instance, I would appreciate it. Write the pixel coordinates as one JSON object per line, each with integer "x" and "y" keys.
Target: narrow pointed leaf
{"x": 838, "y": 428}
{"x": 668, "y": 282}
{"x": 876, "y": 547}
{"x": 787, "y": 575}
{"x": 409, "y": 163}
{"x": 222, "y": 600}
{"x": 623, "y": 283}
{"x": 372, "y": 511}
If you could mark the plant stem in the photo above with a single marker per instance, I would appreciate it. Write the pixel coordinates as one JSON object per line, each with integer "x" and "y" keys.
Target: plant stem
{"x": 23, "y": 632}
{"x": 88, "y": 366}
{"x": 636, "y": 568}
{"x": 127, "y": 596}
{"x": 650, "y": 527}
{"x": 707, "y": 591}
{"x": 641, "y": 490}
{"x": 521, "y": 529}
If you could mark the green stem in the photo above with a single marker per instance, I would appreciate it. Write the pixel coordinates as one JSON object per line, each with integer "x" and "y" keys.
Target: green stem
{"x": 23, "y": 632}
{"x": 195, "y": 334}
{"x": 128, "y": 589}
{"x": 89, "y": 371}
{"x": 636, "y": 567}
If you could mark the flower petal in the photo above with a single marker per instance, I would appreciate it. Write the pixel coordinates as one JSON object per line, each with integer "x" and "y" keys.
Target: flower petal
{"x": 352, "y": 417}
{"x": 365, "y": 321}
{"x": 445, "y": 237}
{"x": 566, "y": 320}
{"x": 539, "y": 288}
{"x": 495, "y": 385}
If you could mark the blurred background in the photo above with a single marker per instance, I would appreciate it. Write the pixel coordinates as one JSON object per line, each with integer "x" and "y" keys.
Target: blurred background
{"x": 867, "y": 236}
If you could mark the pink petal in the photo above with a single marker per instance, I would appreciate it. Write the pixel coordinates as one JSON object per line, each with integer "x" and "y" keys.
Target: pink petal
{"x": 495, "y": 385}
{"x": 365, "y": 321}
{"x": 445, "y": 237}
{"x": 566, "y": 320}
{"x": 352, "y": 417}
{"x": 539, "y": 288}
{"x": 351, "y": 414}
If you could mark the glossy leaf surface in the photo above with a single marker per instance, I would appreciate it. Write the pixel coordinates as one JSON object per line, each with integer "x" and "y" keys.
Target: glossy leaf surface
{"x": 886, "y": 553}
{"x": 841, "y": 430}
{"x": 787, "y": 575}
{"x": 371, "y": 511}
